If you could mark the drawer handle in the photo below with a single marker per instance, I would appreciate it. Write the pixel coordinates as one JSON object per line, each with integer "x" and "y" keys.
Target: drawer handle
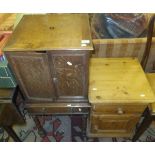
{"x": 120, "y": 111}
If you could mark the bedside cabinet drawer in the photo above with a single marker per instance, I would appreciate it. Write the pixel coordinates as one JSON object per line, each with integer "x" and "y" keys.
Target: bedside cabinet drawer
{"x": 119, "y": 109}
{"x": 113, "y": 125}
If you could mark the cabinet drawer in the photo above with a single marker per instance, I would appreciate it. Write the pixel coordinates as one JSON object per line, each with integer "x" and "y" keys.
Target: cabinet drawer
{"x": 57, "y": 108}
{"x": 118, "y": 109}
{"x": 48, "y": 110}
{"x": 113, "y": 124}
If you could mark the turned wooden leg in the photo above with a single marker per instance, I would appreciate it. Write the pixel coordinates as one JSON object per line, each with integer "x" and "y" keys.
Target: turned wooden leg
{"x": 148, "y": 118}
{"x": 12, "y": 133}
{"x": 39, "y": 126}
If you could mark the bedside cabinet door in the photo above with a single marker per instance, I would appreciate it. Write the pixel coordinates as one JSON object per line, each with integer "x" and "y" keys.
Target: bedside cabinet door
{"x": 70, "y": 70}
{"x": 113, "y": 125}
{"x": 33, "y": 75}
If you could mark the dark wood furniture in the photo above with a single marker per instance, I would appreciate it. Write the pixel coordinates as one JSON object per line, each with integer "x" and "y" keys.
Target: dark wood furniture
{"x": 10, "y": 115}
{"x": 49, "y": 55}
{"x": 118, "y": 93}
{"x": 149, "y": 113}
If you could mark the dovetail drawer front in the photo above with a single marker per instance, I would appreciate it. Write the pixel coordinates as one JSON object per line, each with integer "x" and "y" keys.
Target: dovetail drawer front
{"x": 118, "y": 109}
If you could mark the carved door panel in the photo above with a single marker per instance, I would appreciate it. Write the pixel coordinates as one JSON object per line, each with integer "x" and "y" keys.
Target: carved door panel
{"x": 70, "y": 70}
{"x": 33, "y": 75}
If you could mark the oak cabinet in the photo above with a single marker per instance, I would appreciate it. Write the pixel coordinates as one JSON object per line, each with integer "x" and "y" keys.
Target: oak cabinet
{"x": 32, "y": 72}
{"x": 51, "y": 76}
{"x": 50, "y": 57}
{"x": 70, "y": 74}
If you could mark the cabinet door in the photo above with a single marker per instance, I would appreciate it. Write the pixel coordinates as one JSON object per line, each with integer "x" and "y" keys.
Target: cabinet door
{"x": 70, "y": 70}
{"x": 33, "y": 75}
{"x": 114, "y": 124}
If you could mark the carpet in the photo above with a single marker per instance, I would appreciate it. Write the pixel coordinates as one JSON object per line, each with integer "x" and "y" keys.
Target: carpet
{"x": 63, "y": 129}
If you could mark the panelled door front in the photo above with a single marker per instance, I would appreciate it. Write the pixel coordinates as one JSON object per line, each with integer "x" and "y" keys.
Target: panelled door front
{"x": 70, "y": 70}
{"x": 33, "y": 74}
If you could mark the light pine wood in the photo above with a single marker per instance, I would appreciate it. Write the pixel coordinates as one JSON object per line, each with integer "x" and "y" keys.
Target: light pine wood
{"x": 119, "y": 92}
{"x": 106, "y": 124}
{"x": 118, "y": 109}
{"x": 118, "y": 80}
{"x": 58, "y": 32}
{"x": 151, "y": 79}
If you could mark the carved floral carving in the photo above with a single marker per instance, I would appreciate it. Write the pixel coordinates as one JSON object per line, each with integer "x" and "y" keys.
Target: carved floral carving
{"x": 68, "y": 75}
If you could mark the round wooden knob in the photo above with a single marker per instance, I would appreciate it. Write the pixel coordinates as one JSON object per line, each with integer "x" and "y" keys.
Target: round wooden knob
{"x": 120, "y": 111}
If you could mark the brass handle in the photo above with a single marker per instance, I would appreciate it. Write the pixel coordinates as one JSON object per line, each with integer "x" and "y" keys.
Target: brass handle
{"x": 120, "y": 111}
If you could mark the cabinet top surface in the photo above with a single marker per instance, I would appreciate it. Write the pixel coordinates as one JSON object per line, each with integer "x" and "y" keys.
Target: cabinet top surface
{"x": 51, "y": 32}
{"x": 118, "y": 80}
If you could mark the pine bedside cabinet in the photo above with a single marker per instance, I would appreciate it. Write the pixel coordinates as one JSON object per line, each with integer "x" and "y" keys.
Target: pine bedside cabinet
{"x": 118, "y": 93}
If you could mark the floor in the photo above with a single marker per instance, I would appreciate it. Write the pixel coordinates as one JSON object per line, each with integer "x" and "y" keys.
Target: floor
{"x": 62, "y": 129}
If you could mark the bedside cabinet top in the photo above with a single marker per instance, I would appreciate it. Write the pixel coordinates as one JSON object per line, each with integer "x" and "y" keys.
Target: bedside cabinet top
{"x": 118, "y": 80}
{"x": 51, "y": 32}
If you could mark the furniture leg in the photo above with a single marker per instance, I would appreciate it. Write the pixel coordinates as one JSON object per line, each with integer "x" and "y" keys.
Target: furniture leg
{"x": 12, "y": 133}
{"x": 41, "y": 130}
{"x": 84, "y": 126}
{"x": 143, "y": 125}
